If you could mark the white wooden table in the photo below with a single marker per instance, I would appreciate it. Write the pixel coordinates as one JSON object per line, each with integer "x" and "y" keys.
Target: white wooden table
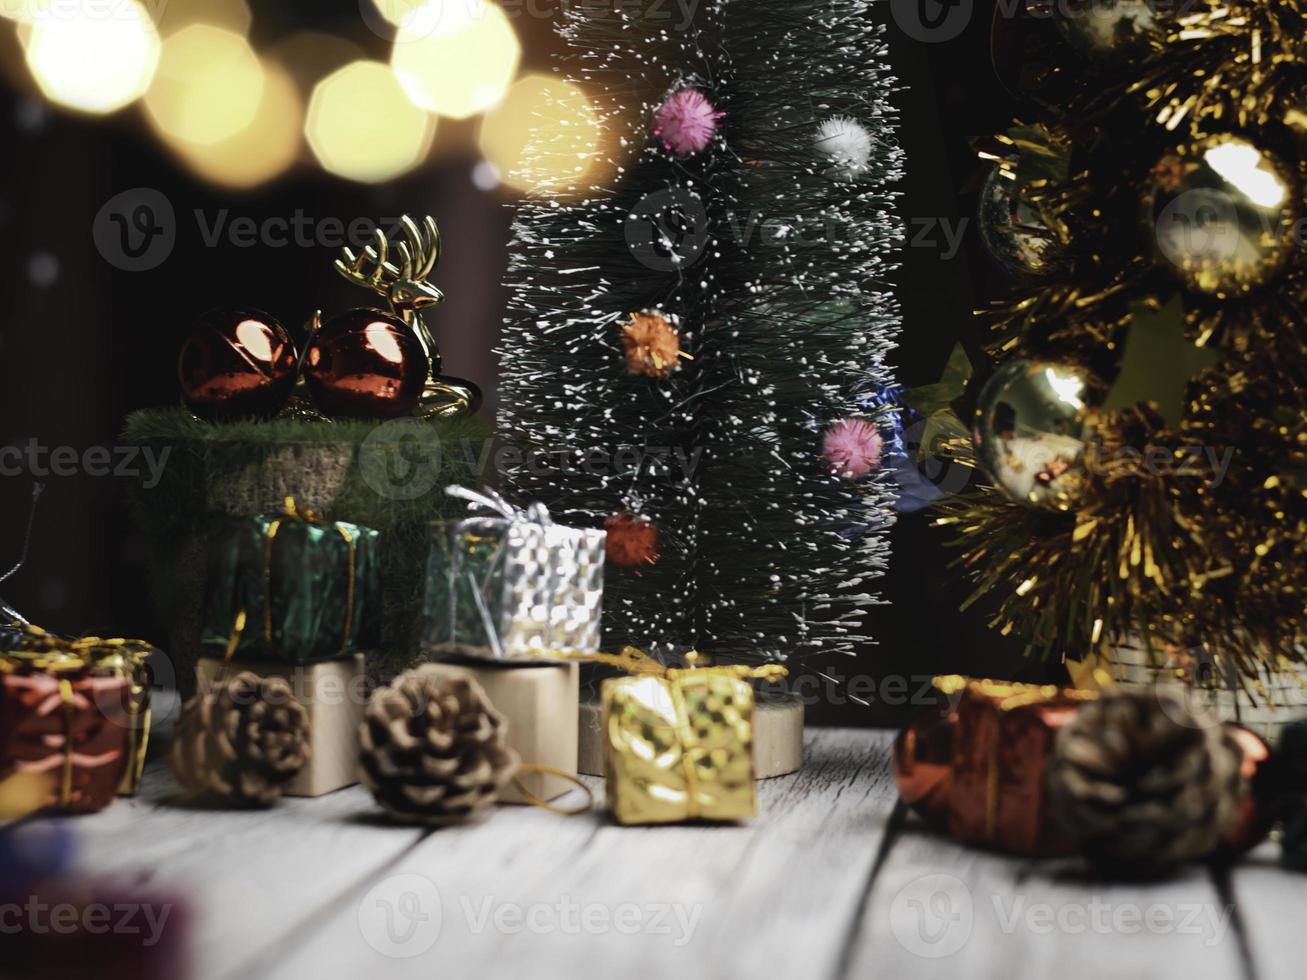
{"x": 831, "y": 880}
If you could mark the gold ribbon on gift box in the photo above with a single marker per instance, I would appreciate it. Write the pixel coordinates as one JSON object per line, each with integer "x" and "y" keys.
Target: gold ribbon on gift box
{"x": 294, "y": 512}
{"x": 42, "y": 652}
{"x": 679, "y": 742}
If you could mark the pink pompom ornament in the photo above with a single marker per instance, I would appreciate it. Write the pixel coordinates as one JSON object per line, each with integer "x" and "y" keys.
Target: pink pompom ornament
{"x": 853, "y": 448}
{"x": 686, "y": 122}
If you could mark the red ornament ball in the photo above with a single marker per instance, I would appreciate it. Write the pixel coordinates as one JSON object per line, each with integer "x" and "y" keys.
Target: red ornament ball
{"x": 1257, "y": 812}
{"x": 366, "y": 364}
{"x": 237, "y": 364}
{"x": 632, "y": 541}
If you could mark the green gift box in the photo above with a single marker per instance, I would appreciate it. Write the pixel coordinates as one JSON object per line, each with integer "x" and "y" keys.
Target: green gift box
{"x": 310, "y": 589}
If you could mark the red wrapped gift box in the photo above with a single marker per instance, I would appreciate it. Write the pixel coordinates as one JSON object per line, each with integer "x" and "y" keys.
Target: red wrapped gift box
{"x": 63, "y": 718}
{"x": 979, "y": 770}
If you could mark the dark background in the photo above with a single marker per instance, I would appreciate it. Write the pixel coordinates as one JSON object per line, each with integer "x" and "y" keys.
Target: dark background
{"x": 83, "y": 344}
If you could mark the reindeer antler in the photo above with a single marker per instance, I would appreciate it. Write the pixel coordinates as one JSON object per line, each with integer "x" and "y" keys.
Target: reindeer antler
{"x": 404, "y": 284}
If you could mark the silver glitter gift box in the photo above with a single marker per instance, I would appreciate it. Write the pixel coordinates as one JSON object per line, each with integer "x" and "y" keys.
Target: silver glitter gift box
{"x": 511, "y": 584}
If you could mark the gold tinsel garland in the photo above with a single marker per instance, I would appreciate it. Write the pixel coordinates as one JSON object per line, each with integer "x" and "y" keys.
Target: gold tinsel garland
{"x": 1208, "y": 551}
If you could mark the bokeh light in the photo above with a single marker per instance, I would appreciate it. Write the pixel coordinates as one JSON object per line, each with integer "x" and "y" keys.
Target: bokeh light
{"x": 23, "y": 11}
{"x": 544, "y": 135}
{"x": 208, "y": 88}
{"x": 263, "y": 150}
{"x": 460, "y": 61}
{"x": 92, "y": 58}
{"x": 405, "y": 13}
{"x": 173, "y": 15}
{"x": 362, "y": 126}
{"x": 311, "y": 56}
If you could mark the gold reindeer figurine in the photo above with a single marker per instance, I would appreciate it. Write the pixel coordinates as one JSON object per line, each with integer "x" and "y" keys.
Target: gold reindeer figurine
{"x": 399, "y": 272}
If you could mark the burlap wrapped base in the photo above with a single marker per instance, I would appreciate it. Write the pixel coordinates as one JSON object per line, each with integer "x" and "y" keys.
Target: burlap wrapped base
{"x": 216, "y": 472}
{"x": 1277, "y": 699}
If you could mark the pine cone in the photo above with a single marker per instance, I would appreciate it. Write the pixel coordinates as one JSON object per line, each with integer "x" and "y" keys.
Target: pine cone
{"x": 433, "y": 747}
{"x": 245, "y": 740}
{"x": 1142, "y": 785}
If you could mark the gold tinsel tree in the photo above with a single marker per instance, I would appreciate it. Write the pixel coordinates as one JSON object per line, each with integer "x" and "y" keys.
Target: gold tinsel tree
{"x": 1143, "y": 434}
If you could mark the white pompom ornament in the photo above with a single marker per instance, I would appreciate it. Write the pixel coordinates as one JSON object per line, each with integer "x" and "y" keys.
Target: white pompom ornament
{"x": 846, "y": 145}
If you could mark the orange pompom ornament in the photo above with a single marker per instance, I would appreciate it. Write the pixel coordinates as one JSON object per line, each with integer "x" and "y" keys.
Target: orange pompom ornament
{"x": 653, "y": 345}
{"x": 632, "y": 541}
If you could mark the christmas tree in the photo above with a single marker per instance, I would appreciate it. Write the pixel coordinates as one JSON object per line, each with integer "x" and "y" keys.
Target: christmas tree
{"x": 1146, "y": 430}
{"x": 695, "y": 350}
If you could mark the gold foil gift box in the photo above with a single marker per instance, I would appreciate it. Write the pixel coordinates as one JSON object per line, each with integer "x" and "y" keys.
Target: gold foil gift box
{"x": 678, "y": 745}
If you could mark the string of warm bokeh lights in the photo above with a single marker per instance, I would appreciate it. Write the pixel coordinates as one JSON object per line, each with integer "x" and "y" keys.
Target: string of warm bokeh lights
{"x": 239, "y": 117}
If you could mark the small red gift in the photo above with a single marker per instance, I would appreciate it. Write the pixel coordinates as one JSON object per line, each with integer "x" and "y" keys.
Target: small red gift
{"x": 68, "y": 715}
{"x": 979, "y": 770}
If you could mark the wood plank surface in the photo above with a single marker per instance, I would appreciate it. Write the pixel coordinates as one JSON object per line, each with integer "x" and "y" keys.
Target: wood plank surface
{"x": 829, "y": 881}
{"x": 1272, "y": 906}
{"x": 939, "y": 909}
{"x": 529, "y": 893}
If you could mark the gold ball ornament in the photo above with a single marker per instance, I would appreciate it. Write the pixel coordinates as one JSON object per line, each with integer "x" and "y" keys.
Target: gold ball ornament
{"x": 1013, "y": 230}
{"x": 1108, "y": 28}
{"x": 1223, "y": 214}
{"x": 1032, "y": 432}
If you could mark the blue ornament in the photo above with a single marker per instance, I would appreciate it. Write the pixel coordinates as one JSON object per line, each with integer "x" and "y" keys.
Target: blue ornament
{"x": 901, "y": 429}
{"x": 33, "y": 850}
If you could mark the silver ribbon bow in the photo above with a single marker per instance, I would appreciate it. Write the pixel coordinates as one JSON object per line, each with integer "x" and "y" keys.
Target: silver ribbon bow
{"x": 502, "y": 511}
{"x": 490, "y": 500}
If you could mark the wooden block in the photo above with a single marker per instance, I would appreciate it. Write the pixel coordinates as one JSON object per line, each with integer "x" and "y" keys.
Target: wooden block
{"x": 335, "y": 694}
{"x": 541, "y": 703}
{"x": 777, "y": 736}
